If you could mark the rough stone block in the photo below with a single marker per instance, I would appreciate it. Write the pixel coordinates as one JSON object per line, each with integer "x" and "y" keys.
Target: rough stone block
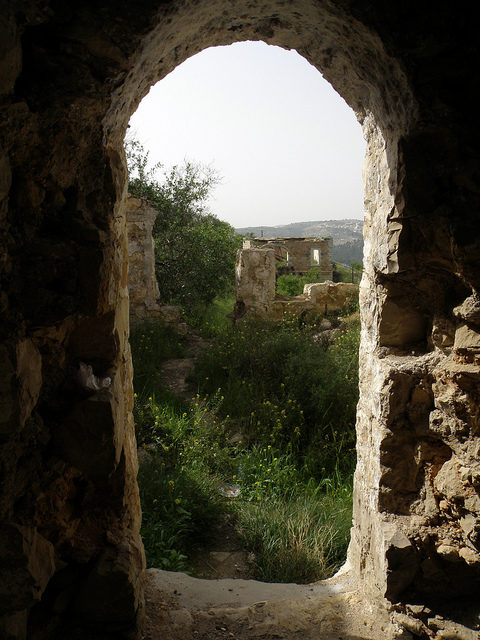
{"x": 7, "y": 392}
{"x": 401, "y": 560}
{"x": 27, "y": 563}
{"x": 29, "y": 375}
{"x": 400, "y": 325}
{"x": 87, "y": 438}
{"x": 113, "y": 591}
{"x": 14, "y": 626}
{"x": 467, "y": 339}
{"x": 448, "y": 480}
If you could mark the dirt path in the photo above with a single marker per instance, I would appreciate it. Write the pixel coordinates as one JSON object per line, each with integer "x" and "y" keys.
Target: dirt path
{"x": 224, "y": 556}
{"x": 174, "y": 373}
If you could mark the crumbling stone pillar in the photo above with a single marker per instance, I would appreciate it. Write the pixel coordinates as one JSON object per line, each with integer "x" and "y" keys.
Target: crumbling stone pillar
{"x": 254, "y": 283}
{"x": 142, "y": 283}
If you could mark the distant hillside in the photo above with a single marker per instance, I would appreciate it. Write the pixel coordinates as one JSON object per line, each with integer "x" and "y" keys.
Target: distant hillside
{"x": 347, "y": 235}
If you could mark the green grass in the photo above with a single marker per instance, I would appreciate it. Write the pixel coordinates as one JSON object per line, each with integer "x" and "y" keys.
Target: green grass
{"x": 152, "y": 343}
{"x": 292, "y": 285}
{"x": 213, "y": 320}
{"x": 299, "y": 538}
{"x": 274, "y": 415}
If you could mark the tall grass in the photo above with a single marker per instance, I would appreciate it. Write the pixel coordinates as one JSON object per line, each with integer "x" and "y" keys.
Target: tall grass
{"x": 300, "y": 538}
{"x": 278, "y": 385}
{"x": 273, "y": 417}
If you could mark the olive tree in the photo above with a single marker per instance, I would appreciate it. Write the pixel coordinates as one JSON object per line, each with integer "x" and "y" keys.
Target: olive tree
{"x": 194, "y": 251}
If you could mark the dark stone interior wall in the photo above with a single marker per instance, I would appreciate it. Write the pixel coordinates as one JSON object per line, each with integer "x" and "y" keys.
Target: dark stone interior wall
{"x": 70, "y": 76}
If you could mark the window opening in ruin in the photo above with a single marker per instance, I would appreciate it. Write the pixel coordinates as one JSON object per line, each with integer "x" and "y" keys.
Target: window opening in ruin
{"x": 318, "y": 320}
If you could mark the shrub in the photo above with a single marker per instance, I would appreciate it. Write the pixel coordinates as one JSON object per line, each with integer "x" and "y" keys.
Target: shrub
{"x": 282, "y": 388}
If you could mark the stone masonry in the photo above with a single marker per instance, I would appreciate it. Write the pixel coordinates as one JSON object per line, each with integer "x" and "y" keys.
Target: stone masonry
{"x": 142, "y": 283}
{"x": 299, "y": 255}
{"x": 255, "y": 290}
{"x": 71, "y": 75}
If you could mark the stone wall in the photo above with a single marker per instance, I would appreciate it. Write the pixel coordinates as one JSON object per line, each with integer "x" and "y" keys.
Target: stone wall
{"x": 300, "y": 254}
{"x": 71, "y": 74}
{"x": 255, "y": 290}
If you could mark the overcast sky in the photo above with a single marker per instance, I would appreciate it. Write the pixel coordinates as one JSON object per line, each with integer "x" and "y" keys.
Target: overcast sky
{"x": 288, "y": 147}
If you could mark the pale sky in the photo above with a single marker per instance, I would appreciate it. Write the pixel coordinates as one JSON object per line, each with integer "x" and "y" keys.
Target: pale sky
{"x": 288, "y": 147}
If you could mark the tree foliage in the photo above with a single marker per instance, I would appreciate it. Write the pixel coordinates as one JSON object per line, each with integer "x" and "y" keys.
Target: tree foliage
{"x": 194, "y": 251}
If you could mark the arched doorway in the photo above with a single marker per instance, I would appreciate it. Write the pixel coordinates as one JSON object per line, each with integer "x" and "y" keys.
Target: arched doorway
{"x": 72, "y": 78}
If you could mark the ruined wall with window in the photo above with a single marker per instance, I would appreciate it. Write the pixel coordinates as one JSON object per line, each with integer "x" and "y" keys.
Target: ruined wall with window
{"x": 256, "y": 297}
{"x": 298, "y": 255}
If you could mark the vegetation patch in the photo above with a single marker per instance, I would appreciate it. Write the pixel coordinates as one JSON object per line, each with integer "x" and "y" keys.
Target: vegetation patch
{"x": 273, "y": 422}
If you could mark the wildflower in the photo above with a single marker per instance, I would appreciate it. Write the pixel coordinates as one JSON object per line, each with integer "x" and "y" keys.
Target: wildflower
{"x": 177, "y": 500}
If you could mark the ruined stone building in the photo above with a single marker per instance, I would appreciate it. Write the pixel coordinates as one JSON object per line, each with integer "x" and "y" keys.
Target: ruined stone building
{"x": 298, "y": 255}
{"x": 255, "y": 288}
{"x": 71, "y": 75}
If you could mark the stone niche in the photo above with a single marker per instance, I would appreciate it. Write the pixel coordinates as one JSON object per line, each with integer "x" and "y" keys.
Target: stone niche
{"x": 71, "y": 74}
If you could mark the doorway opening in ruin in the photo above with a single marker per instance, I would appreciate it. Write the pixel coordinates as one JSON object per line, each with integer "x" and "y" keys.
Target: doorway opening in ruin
{"x": 72, "y": 76}
{"x": 314, "y": 168}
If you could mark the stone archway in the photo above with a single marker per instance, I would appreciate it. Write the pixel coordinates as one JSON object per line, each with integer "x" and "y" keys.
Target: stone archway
{"x": 70, "y": 78}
